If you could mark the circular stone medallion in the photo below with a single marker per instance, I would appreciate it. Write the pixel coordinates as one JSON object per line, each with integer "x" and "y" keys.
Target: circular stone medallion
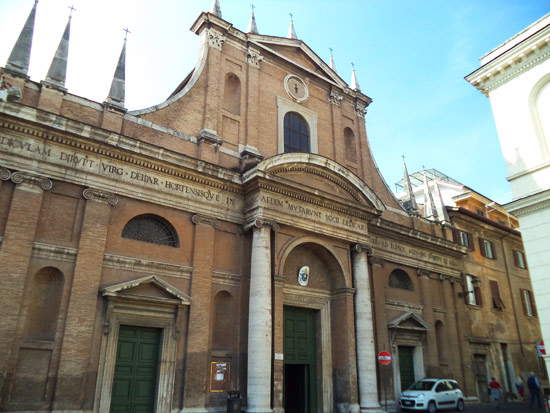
{"x": 296, "y": 88}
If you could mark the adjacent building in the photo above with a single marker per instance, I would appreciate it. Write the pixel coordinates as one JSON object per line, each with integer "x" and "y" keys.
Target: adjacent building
{"x": 515, "y": 76}
{"x": 237, "y": 236}
{"x": 502, "y": 327}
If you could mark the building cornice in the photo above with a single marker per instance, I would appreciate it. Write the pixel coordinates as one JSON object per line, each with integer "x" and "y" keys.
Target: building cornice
{"x": 532, "y": 51}
{"x": 529, "y": 204}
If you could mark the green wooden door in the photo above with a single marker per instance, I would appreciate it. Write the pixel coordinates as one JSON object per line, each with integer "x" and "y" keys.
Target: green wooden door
{"x": 300, "y": 360}
{"x": 406, "y": 366}
{"x": 136, "y": 370}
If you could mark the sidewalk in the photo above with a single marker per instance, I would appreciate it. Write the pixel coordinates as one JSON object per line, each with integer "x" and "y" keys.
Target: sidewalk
{"x": 509, "y": 407}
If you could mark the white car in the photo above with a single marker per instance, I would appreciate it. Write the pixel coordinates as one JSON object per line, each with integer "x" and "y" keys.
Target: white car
{"x": 432, "y": 395}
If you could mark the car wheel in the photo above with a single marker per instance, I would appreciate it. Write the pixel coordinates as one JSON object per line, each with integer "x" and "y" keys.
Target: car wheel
{"x": 460, "y": 405}
{"x": 431, "y": 407}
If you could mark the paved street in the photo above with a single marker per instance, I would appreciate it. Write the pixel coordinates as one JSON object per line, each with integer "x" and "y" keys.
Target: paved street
{"x": 507, "y": 407}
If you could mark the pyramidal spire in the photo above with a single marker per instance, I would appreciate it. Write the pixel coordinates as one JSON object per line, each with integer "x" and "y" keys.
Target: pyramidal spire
{"x": 20, "y": 55}
{"x": 58, "y": 69}
{"x": 429, "y": 205}
{"x": 440, "y": 206}
{"x": 252, "y": 27}
{"x": 118, "y": 85}
{"x": 291, "y": 29}
{"x": 331, "y": 61}
{"x": 216, "y": 9}
{"x": 354, "y": 83}
{"x": 409, "y": 202}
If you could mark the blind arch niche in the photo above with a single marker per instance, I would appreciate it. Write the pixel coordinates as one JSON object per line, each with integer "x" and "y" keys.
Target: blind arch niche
{"x": 152, "y": 229}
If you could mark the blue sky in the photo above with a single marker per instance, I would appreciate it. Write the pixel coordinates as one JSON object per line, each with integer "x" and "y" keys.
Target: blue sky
{"x": 411, "y": 58}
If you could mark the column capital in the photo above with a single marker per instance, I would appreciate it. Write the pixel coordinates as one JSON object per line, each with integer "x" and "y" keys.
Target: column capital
{"x": 27, "y": 178}
{"x": 423, "y": 273}
{"x": 5, "y": 174}
{"x": 202, "y": 219}
{"x": 360, "y": 248}
{"x": 261, "y": 222}
{"x": 92, "y": 194}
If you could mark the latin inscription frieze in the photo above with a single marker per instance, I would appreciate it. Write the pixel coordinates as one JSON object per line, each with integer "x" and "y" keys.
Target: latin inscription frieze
{"x": 116, "y": 171}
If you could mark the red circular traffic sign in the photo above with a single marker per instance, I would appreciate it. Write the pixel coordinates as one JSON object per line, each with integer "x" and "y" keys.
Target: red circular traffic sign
{"x": 384, "y": 358}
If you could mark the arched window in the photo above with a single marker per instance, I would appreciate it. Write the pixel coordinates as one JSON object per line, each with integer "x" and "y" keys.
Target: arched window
{"x": 350, "y": 145}
{"x": 151, "y": 228}
{"x": 44, "y": 302}
{"x": 296, "y": 133}
{"x": 223, "y": 323}
{"x": 400, "y": 279}
{"x": 232, "y": 94}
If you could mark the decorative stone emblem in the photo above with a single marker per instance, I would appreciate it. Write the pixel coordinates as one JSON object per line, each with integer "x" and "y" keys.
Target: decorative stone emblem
{"x": 360, "y": 109}
{"x": 8, "y": 92}
{"x": 296, "y": 88}
{"x": 215, "y": 39}
{"x": 253, "y": 57}
{"x": 4, "y": 174}
{"x": 303, "y": 276}
{"x": 335, "y": 98}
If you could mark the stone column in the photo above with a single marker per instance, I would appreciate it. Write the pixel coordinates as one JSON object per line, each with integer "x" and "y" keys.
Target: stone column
{"x": 431, "y": 353}
{"x": 75, "y": 382}
{"x": 366, "y": 352}
{"x": 259, "y": 322}
{"x": 15, "y": 257}
{"x": 454, "y": 358}
{"x": 198, "y": 335}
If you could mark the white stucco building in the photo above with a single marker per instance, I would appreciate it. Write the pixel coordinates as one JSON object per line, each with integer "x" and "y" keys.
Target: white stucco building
{"x": 516, "y": 78}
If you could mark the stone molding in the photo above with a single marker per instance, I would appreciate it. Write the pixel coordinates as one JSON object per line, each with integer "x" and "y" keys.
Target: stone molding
{"x": 210, "y": 136}
{"x": 140, "y": 149}
{"x": 404, "y": 306}
{"x": 120, "y": 262}
{"x": 216, "y": 39}
{"x": 529, "y": 204}
{"x": 254, "y": 57}
{"x": 92, "y": 194}
{"x": 28, "y": 178}
{"x": 5, "y": 174}
{"x": 226, "y": 278}
{"x": 54, "y": 252}
{"x": 201, "y": 219}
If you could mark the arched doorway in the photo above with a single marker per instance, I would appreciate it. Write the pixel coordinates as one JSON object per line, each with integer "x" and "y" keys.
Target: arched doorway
{"x": 318, "y": 370}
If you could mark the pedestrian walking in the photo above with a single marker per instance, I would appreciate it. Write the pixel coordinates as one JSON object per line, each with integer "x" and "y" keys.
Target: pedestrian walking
{"x": 533, "y": 384}
{"x": 520, "y": 387}
{"x": 495, "y": 393}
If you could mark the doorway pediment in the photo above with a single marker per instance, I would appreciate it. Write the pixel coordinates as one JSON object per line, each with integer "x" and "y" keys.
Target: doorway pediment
{"x": 408, "y": 321}
{"x": 148, "y": 288}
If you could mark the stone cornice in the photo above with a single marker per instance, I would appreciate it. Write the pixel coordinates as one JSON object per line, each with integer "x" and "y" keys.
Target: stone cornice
{"x": 512, "y": 63}
{"x": 53, "y": 252}
{"x": 124, "y": 149}
{"x": 529, "y": 204}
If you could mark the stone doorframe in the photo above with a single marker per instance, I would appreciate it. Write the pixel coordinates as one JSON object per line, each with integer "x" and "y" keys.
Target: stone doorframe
{"x": 164, "y": 311}
{"x": 297, "y": 297}
{"x": 408, "y": 329}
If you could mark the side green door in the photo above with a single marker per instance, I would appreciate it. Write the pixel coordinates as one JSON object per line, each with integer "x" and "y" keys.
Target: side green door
{"x": 406, "y": 366}
{"x": 300, "y": 360}
{"x": 136, "y": 370}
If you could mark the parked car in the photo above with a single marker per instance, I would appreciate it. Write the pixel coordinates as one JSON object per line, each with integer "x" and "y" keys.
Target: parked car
{"x": 432, "y": 395}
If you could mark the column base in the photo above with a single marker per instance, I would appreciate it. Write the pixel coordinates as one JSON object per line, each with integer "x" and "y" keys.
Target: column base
{"x": 194, "y": 410}
{"x": 259, "y": 410}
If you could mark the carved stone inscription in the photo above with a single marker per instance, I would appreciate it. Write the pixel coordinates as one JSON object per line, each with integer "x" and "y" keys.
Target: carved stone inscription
{"x": 408, "y": 251}
{"x": 317, "y": 214}
{"x": 116, "y": 171}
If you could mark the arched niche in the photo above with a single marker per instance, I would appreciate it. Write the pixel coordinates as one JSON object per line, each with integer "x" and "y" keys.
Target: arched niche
{"x": 232, "y": 94}
{"x": 46, "y": 291}
{"x": 223, "y": 323}
{"x": 350, "y": 145}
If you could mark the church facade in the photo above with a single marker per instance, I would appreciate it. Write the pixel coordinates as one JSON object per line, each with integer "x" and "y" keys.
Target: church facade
{"x": 237, "y": 236}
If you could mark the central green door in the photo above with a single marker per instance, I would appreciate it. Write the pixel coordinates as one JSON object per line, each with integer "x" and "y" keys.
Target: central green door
{"x": 406, "y": 366}
{"x": 136, "y": 370}
{"x": 300, "y": 378}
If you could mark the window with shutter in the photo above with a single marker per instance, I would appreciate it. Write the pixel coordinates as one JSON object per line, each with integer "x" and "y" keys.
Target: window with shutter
{"x": 473, "y": 292}
{"x": 519, "y": 259}
{"x": 528, "y": 303}
{"x": 498, "y": 304}
{"x": 487, "y": 248}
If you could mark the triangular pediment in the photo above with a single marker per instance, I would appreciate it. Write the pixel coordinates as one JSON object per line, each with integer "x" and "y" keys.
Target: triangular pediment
{"x": 146, "y": 288}
{"x": 299, "y": 54}
{"x": 409, "y": 321}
